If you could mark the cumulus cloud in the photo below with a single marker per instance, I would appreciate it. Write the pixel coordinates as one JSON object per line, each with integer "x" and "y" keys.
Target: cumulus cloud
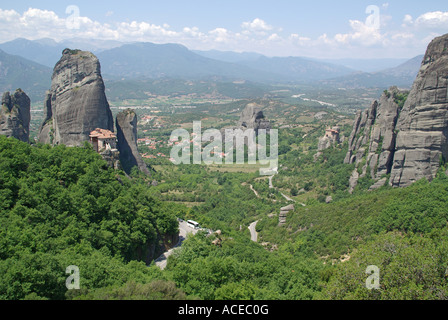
{"x": 220, "y": 35}
{"x": 433, "y": 21}
{"x": 436, "y": 19}
{"x": 256, "y": 25}
{"x": 37, "y": 23}
{"x": 363, "y": 34}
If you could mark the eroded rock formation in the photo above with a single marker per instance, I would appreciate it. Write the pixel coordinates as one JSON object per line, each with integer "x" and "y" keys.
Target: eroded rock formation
{"x": 284, "y": 213}
{"x": 76, "y": 103}
{"x": 372, "y": 140}
{"x": 330, "y": 138}
{"x": 252, "y": 117}
{"x": 405, "y": 134}
{"x": 126, "y": 123}
{"x": 15, "y": 115}
{"x": 422, "y": 140}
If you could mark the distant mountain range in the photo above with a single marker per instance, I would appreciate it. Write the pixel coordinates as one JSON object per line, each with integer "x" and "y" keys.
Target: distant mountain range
{"x": 367, "y": 65}
{"x": 17, "y": 72}
{"x": 155, "y": 61}
{"x": 229, "y": 56}
{"x": 48, "y": 52}
{"x": 401, "y": 76}
{"x": 28, "y": 64}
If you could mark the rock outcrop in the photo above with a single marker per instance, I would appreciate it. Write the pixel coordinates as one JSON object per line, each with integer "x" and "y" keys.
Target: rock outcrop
{"x": 252, "y": 117}
{"x": 372, "y": 140}
{"x": 126, "y": 123}
{"x": 405, "y": 134}
{"x": 283, "y": 214}
{"x": 422, "y": 140}
{"x": 76, "y": 103}
{"x": 112, "y": 157}
{"x": 15, "y": 115}
{"x": 330, "y": 138}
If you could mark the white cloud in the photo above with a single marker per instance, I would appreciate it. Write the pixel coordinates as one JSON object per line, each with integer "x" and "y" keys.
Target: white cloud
{"x": 361, "y": 33}
{"x": 220, "y": 35}
{"x": 9, "y": 15}
{"x": 193, "y": 32}
{"x": 436, "y": 19}
{"x": 274, "y": 37}
{"x": 296, "y": 37}
{"x": 256, "y": 25}
{"x": 407, "y": 20}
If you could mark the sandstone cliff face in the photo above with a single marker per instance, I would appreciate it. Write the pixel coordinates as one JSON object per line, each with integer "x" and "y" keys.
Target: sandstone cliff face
{"x": 126, "y": 123}
{"x": 15, "y": 115}
{"x": 76, "y": 103}
{"x": 407, "y": 140}
{"x": 422, "y": 140}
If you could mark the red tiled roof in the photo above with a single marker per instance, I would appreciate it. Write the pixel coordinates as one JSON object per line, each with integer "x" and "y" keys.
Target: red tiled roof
{"x": 102, "y": 134}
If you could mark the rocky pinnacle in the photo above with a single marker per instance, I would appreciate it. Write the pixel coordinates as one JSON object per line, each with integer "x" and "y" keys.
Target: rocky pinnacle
{"x": 15, "y": 115}
{"x": 407, "y": 140}
{"x": 76, "y": 103}
{"x": 126, "y": 123}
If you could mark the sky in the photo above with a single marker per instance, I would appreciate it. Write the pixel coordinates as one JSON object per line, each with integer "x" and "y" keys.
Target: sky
{"x": 314, "y": 28}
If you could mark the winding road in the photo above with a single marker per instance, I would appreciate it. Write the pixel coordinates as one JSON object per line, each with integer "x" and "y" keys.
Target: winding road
{"x": 253, "y": 231}
{"x": 184, "y": 230}
{"x": 253, "y": 225}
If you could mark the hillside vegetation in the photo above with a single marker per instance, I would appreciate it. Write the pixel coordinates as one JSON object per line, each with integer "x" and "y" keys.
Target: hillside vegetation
{"x": 64, "y": 206}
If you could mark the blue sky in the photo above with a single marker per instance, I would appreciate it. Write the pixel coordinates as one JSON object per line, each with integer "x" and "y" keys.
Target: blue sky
{"x": 325, "y": 29}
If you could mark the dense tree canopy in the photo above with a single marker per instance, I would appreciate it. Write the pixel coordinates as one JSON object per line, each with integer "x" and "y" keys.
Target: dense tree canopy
{"x": 64, "y": 206}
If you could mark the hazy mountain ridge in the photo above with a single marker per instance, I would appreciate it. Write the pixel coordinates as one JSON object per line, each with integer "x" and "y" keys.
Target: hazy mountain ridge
{"x": 229, "y": 56}
{"x": 48, "y": 51}
{"x": 148, "y": 61}
{"x": 17, "y": 72}
{"x": 401, "y": 76}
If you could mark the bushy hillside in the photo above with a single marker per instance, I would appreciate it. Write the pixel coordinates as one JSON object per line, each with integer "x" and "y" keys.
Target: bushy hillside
{"x": 64, "y": 206}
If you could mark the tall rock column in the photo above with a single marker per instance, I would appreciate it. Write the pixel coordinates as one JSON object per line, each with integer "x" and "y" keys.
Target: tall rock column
{"x": 76, "y": 103}
{"x": 422, "y": 140}
{"x": 372, "y": 141}
{"x": 126, "y": 123}
{"x": 15, "y": 115}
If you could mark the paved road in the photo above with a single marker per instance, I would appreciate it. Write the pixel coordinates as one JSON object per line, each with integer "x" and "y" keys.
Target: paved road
{"x": 253, "y": 231}
{"x": 184, "y": 230}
